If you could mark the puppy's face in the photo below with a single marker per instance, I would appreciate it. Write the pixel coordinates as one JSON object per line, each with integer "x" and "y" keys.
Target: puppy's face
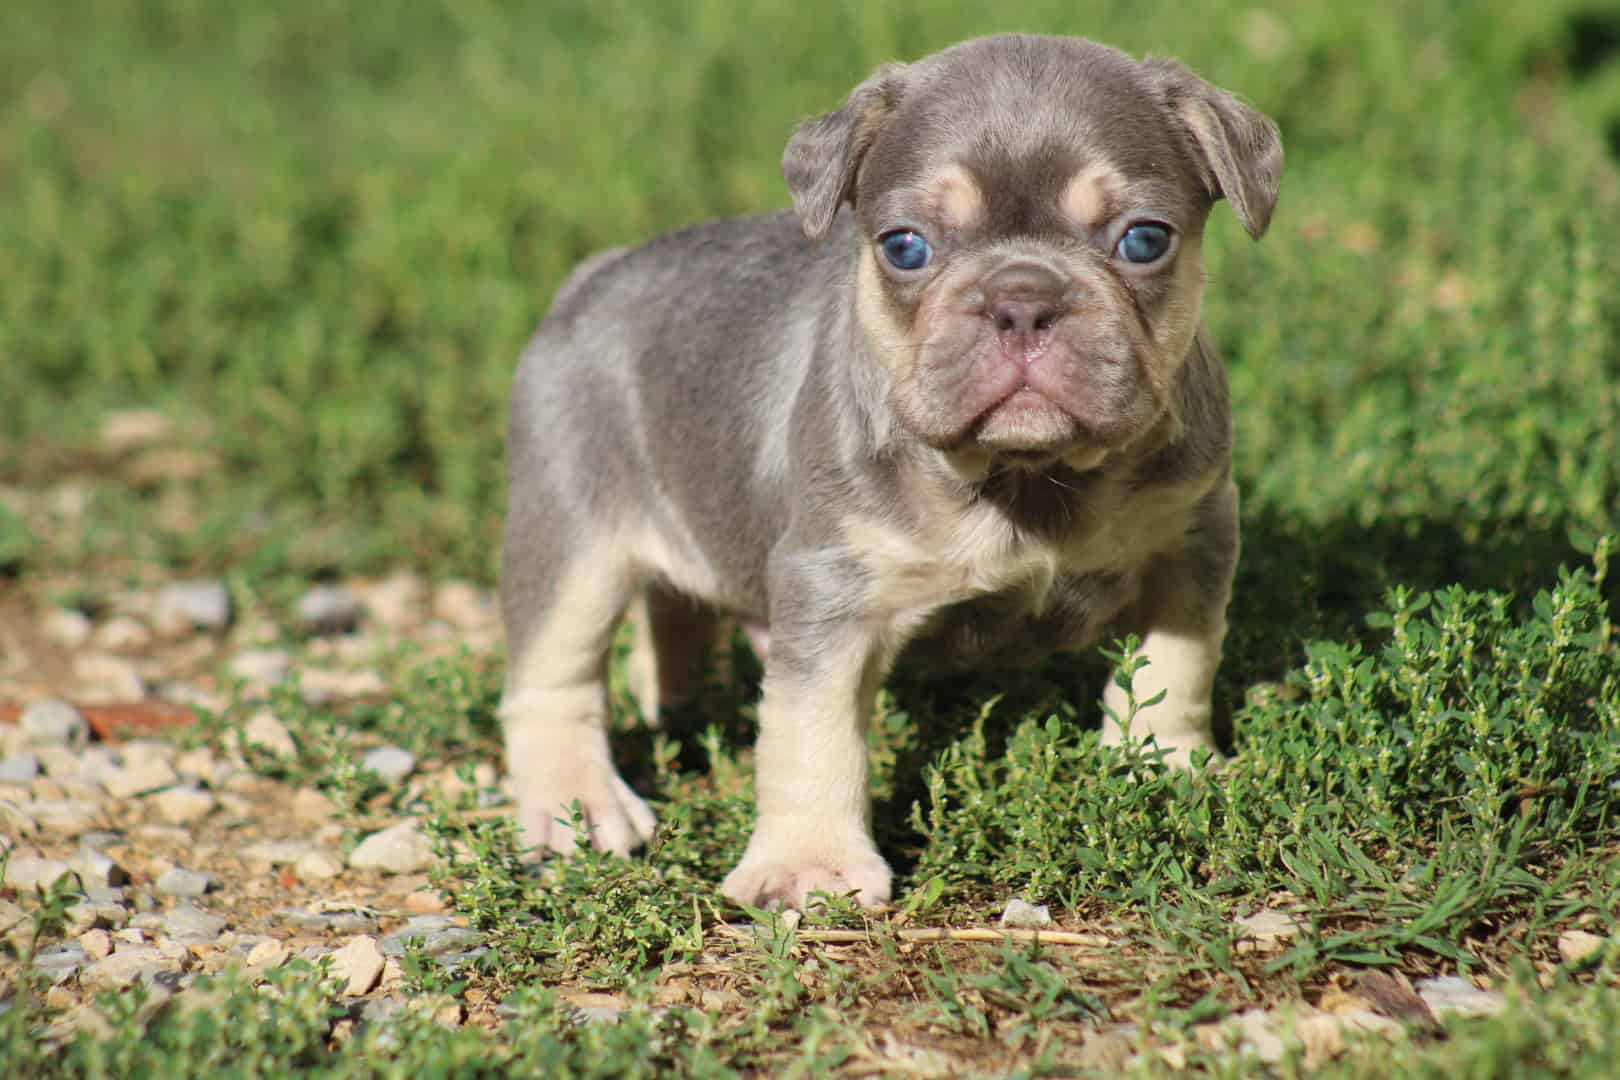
{"x": 1029, "y": 216}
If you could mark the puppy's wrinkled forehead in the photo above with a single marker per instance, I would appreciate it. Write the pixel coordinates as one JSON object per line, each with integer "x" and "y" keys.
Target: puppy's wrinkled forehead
{"x": 1020, "y": 136}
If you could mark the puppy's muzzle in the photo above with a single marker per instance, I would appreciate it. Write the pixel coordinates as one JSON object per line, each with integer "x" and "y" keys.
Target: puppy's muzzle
{"x": 1024, "y": 302}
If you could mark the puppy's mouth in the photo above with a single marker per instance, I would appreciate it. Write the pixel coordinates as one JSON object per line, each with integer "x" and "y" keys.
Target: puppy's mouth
{"x": 1027, "y": 429}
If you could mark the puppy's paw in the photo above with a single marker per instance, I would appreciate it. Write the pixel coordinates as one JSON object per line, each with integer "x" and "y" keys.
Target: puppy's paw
{"x": 787, "y": 878}
{"x": 1180, "y": 756}
{"x": 616, "y": 816}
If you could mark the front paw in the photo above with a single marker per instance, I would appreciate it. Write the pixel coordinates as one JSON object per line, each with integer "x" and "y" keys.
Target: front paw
{"x": 615, "y": 816}
{"x": 786, "y": 874}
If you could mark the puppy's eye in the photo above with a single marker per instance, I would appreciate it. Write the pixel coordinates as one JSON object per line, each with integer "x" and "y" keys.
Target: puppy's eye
{"x": 1144, "y": 243}
{"x": 905, "y": 249}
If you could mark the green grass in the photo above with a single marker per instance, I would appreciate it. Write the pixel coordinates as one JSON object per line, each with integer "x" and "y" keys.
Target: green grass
{"x": 317, "y": 235}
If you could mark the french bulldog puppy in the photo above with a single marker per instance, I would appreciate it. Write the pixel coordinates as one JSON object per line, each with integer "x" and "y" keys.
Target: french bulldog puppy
{"x": 957, "y": 402}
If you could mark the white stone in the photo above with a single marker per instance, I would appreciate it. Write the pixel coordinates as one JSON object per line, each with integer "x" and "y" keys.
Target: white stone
{"x": 122, "y": 634}
{"x": 65, "y": 627}
{"x": 187, "y": 605}
{"x": 261, "y": 667}
{"x": 267, "y": 955}
{"x": 276, "y": 852}
{"x": 463, "y": 605}
{"x": 401, "y": 849}
{"x": 129, "y": 965}
{"x": 19, "y": 768}
{"x": 139, "y": 778}
{"x": 329, "y": 609}
{"x": 96, "y": 944}
{"x": 317, "y": 866}
{"x": 1020, "y": 914}
{"x": 1576, "y": 945}
{"x": 269, "y": 734}
{"x": 1269, "y": 926}
{"x": 1452, "y": 994}
{"x": 321, "y": 686}
{"x": 390, "y": 763}
{"x": 358, "y": 965}
{"x": 396, "y": 601}
{"x": 97, "y": 870}
{"x": 183, "y": 805}
{"x": 177, "y": 881}
{"x": 27, "y": 872}
{"x": 104, "y": 679}
{"x": 52, "y": 722}
{"x": 312, "y": 807}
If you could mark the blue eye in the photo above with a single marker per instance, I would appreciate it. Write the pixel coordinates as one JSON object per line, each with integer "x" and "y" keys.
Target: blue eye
{"x": 1144, "y": 243}
{"x": 905, "y": 249}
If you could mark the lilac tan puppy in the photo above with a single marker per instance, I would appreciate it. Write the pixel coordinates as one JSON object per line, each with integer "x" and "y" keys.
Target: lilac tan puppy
{"x": 956, "y": 404}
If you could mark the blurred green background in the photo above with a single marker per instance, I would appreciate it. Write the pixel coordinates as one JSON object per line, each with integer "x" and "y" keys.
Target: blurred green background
{"x": 317, "y": 235}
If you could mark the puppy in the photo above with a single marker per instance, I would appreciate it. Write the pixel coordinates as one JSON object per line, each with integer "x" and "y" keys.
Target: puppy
{"x": 972, "y": 416}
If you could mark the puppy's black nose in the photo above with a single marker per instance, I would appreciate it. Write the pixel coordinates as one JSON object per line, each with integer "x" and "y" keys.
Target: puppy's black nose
{"x": 1023, "y": 316}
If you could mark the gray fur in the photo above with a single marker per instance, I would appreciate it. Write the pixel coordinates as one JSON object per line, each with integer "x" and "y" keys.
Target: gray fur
{"x": 719, "y": 413}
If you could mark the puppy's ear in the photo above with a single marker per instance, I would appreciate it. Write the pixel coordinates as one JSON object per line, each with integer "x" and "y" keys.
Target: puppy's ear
{"x": 1238, "y": 148}
{"x": 824, "y": 155}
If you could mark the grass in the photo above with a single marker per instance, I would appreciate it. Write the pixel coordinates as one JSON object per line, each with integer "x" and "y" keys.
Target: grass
{"x": 316, "y": 236}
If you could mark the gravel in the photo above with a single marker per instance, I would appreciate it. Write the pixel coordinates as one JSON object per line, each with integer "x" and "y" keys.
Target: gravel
{"x": 52, "y": 722}
{"x": 203, "y": 605}
{"x": 401, "y": 849}
{"x": 329, "y": 609}
{"x": 390, "y": 763}
{"x": 177, "y": 881}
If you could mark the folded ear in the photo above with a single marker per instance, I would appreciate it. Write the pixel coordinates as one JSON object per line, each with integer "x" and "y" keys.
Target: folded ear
{"x": 1238, "y": 148}
{"x": 824, "y": 155}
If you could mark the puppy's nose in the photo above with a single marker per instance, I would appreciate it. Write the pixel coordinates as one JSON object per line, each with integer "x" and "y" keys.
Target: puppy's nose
{"x": 1023, "y": 301}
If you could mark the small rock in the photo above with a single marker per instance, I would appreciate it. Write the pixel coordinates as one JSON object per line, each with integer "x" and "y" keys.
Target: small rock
{"x": 424, "y": 902}
{"x": 97, "y": 870}
{"x": 334, "y": 922}
{"x": 191, "y": 924}
{"x": 261, "y": 667}
{"x": 132, "y": 429}
{"x": 263, "y": 730}
{"x": 65, "y": 627}
{"x": 329, "y": 609}
{"x": 19, "y": 768}
{"x": 105, "y": 679}
{"x": 1575, "y": 946}
{"x": 401, "y": 849}
{"x": 198, "y": 764}
{"x": 139, "y": 778}
{"x": 176, "y": 881}
{"x": 359, "y": 965}
{"x": 1453, "y": 994}
{"x": 276, "y": 852}
{"x": 1021, "y": 914}
{"x": 390, "y": 763}
{"x": 96, "y": 944}
{"x": 187, "y": 605}
{"x": 127, "y": 966}
{"x": 11, "y": 917}
{"x": 64, "y": 817}
{"x": 267, "y": 955}
{"x": 28, "y": 872}
{"x": 463, "y": 605}
{"x": 59, "y": 962}
{"x": 144, "y": 751}
{"x": 1108, "y": 1051}
{"x": 436, "y": 941}
{"x": 397, "y": 601}
{"x": 92, "y": 915}
{"x": 311, "y": 807}
{"x": 95, "y": 764}
{"x": 323, "y": 687}
{"x": 53, "y": 722}
{"x": 122, "y": 634}
{"x": 183, "y": 805}
{"x": 64, "y": 763}
{"x": 317, "y": 866}
{"x": 1258, "y": 1030}
{"x": 1267, "y": 928}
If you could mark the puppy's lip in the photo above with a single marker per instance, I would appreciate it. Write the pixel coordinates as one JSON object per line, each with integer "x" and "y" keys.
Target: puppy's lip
{"x": 1037, "y": 451}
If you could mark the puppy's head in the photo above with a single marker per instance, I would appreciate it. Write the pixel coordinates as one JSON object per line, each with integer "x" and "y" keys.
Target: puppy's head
{"x": 1029, "y": 213}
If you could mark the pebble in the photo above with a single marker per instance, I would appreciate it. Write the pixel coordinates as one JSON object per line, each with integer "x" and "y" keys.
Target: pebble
{"x": 390, "y": 763}
{"x": 96, "y": 944}
{"x": 266, "y": 732}
{"x": 11, "y": 917}
{"x": 176, "y": 881}
{"x": 401, "y": 849}
{"x": 463, "y": 605}
{"x": 359, "y": 965}
{"x": 261, "y": 667}
{"x": 140, "y": 777}
{"x": 1575, "y": 946}
{"x": 59, "y": 962}
{"x": 1021, "y": 914}
{"x": 28, "y": 872}
{"x": 19, "y": 768}
{"x": 190, "y": 923}
{"x": 323, "y": 687}
{"x": 184, "y": 805}
{"x": 49, "y": 721}
{"x": 127, "y": 966}
{"x": 276, "y": 852}
{"x": 94, "y": 765}
{"x": 1268, "y": 927}
{"x": 424, "y": 902}
{"x": 311, "y": 807}
{"x": 132, "y": 429}
{"x": 268, "y": 955}
{"x": 436, "y": 938}
{"x": 83, "y": 917}
{"x": 107, "y": 679}
{"x": 1453, "y": 994}
{"x": 65, "y": 627}
{"x": 317, "y": 866}
{"x": 186, "y": 605}
{"x": 329, "y": 609}
{"x": 396, "y": 601}
{"x": 98, "y": 871}
{"x": 122, "y": 634}
{"x": 332, "y": 922}
{"x": 65, "y": 817}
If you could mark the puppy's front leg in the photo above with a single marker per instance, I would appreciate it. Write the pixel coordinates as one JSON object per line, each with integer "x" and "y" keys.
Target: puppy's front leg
{"x": 1180, "y": 617}
{"x": 814, "y": 832}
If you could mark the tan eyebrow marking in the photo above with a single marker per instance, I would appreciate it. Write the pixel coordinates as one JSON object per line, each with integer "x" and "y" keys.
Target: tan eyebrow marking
{"x": 955, "y": 198}
{"x": 1092, "y": 195}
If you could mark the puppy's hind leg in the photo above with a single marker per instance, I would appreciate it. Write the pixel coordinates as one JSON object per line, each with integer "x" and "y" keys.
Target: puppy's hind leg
{"x": 674, "y": 644}
{"x": 561, "y": 608}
